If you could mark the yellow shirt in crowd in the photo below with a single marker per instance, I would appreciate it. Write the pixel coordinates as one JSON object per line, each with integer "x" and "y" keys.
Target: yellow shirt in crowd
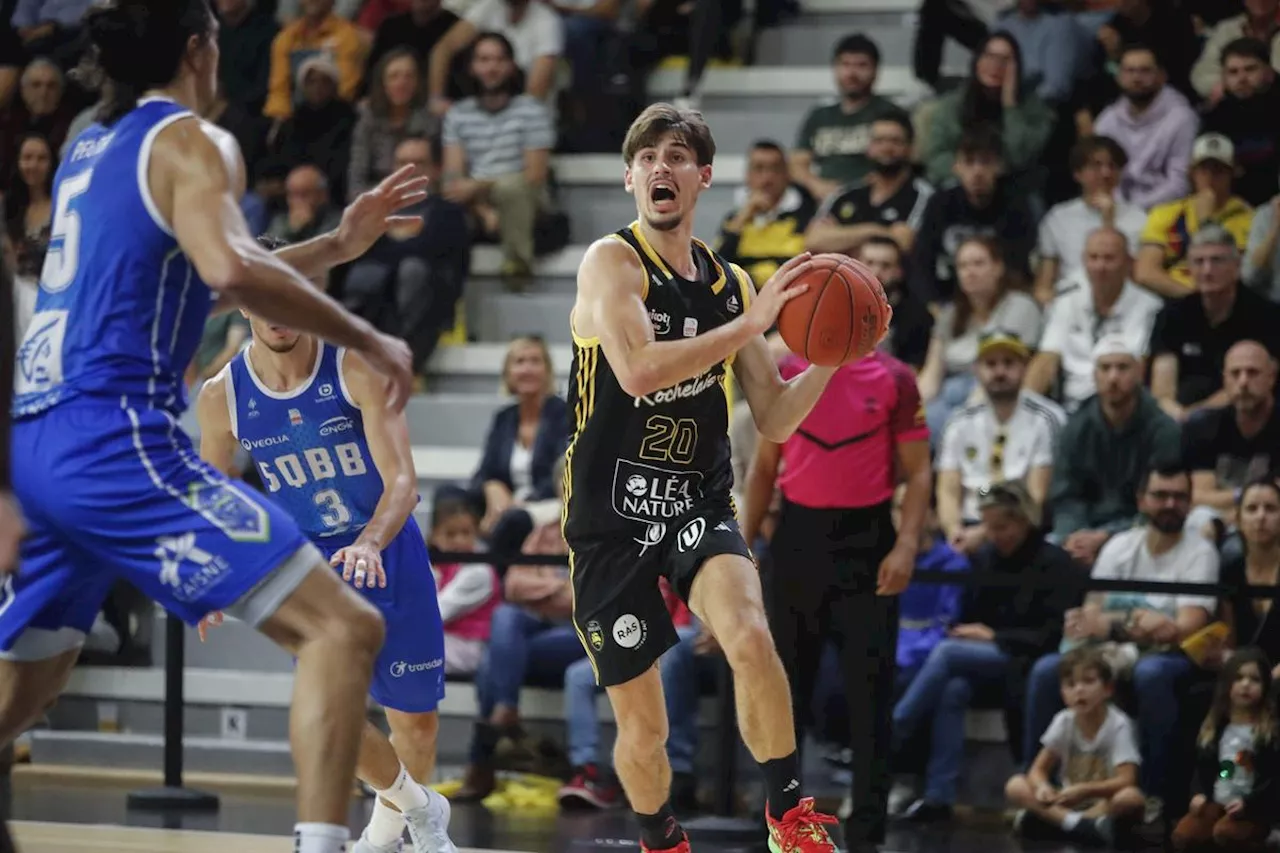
{"x": 298, "y": 42}
{"x": 1171, "y": 226}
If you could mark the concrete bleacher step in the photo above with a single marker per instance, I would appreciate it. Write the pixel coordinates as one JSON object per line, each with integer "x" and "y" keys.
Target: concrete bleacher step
{"x": 507, "y": 315}
{"x": 451, "y": 420}
{"x": 895, "y": 81}
{"x": 477, "y": 368}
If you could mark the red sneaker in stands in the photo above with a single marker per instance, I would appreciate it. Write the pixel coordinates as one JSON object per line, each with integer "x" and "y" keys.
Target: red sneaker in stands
{"x": 588, "y": 789}
{"x": 801, "y": 830}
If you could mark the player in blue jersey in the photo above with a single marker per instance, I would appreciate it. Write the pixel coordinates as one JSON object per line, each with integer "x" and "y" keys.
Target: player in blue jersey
{"x": 315, "y": 421}
{"x": 146, "y": 237}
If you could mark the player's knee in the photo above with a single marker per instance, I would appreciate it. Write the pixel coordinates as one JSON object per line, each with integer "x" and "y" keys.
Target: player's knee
{"x": 1018, "y": 790}
{"x": 748, "y": 642}
{"x": 358, "y": 626}
{"x": 416, "y": 732}
{"x": 640, "y": 736}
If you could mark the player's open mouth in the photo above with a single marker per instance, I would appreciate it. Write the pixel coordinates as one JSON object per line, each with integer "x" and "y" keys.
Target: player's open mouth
{"x": 663, "y": 196}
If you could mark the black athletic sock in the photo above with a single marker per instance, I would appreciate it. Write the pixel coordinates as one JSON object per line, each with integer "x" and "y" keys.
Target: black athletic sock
{"x": 660, "y": 831}
{"x": 782, "y": 781}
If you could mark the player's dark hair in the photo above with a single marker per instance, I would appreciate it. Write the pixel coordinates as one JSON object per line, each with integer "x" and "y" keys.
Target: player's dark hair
{"x": 1086, "y": 658}
{"x": 140, "y": 45}
{"x": 271, "y": 242}
{"x": 658, "y": 120}
{"x": 1084, "y": 149}
{"x": 1247, "y": 48}
{"x": 858, "y": 45}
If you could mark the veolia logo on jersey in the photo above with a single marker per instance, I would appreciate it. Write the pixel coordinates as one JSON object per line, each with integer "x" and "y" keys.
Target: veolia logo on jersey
{"x": 333, "y": 426}
{"x": 264, "y": 442}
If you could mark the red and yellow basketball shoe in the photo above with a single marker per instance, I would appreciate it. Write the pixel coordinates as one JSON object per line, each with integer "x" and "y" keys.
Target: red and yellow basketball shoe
{"x": 801, "y": 830}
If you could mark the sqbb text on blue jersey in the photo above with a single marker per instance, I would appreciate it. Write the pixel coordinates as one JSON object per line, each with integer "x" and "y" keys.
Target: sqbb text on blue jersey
{"x": 310, "y": 447}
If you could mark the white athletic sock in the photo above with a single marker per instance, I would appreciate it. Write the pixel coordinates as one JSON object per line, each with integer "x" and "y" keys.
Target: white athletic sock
{"x": 1071, "y": 821}
{"x": 319, "y": 838}
{"x": 404, "y": 793}
{"x": 386, "y": 825}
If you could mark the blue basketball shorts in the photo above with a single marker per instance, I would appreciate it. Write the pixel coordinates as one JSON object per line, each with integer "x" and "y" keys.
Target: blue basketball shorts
{"x": 112, "y": 493}
{"x": 408, "y": 675}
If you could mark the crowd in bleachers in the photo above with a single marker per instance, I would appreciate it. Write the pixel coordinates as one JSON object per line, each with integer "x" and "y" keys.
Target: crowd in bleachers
{"x": 1081, "y": 242}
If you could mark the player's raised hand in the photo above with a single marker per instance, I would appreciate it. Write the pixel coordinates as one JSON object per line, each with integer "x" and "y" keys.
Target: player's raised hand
{"x": 213, "y": 620}
{"x": 361, "y": 566}
{"x": 392, "y": 358}
{"x": 377, "y": 211}
{"x": 781, "y": 288}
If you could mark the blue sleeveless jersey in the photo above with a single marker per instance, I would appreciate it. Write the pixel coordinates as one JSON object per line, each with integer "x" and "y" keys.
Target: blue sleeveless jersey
{"x": 309, "y": 446}
{"x": 120, "y": 310}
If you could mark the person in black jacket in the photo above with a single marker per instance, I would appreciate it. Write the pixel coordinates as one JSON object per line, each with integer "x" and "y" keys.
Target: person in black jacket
{"x": 1001, "y": 630}
{"x": 1237, "y": 760}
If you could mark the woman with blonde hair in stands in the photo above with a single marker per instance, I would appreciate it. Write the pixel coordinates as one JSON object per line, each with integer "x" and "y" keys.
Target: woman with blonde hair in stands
{"x": 515, "y": 479}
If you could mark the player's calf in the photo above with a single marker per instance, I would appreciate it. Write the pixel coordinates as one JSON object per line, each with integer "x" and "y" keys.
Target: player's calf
{"x": 28, "y": 688}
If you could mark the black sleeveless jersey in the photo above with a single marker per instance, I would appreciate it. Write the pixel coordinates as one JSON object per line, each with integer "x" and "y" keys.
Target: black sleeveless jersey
{"x": 637, "y": 464}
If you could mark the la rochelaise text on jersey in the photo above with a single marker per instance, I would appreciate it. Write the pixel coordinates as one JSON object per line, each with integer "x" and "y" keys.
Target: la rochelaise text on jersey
{"x": 692, "y": 388}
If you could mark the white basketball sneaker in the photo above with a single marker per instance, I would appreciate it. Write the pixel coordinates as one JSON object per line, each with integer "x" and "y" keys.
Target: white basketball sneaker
{"x": 429, "y": 825}
{"x": 364, "y": 845}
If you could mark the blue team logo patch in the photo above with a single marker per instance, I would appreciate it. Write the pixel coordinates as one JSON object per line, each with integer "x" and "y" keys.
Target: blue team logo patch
{"x": 227, "y": 508}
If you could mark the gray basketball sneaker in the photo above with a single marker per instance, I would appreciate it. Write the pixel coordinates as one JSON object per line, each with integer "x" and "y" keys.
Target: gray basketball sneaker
{"x": 429, "y": 825}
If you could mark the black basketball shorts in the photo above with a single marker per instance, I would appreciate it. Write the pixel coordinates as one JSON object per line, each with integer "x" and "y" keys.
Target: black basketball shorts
{"x": 618, "y": 609}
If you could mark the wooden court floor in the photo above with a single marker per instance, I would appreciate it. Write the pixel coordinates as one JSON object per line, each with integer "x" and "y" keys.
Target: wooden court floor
{"x": 37, "y": 837}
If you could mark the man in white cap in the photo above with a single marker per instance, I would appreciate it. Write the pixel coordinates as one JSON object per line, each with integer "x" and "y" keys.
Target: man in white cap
{"x": 1111, "y": 439}
{"x": 1162, "y": 261}
{"x": 1107, "y": 304}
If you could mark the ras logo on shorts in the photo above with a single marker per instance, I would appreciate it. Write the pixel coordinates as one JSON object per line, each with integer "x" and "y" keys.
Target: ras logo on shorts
{"x": 629, "y": 632}
{"x": 595, "y": 635}
{"x": 691, "y": 534}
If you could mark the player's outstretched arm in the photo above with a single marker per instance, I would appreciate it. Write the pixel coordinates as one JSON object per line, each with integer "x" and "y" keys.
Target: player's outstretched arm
{"x": 387, "y": 434}
{"x": 217, "y": 443}
{"x": 610, "y": 306}
{"x": 196, "y": 188}
{"x": 364, "y": 221}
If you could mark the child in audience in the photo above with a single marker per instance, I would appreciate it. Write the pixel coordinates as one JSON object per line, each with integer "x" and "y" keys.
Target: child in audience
{"x": 1237, "y": 762}
{"x": 467, "y": 592}
{"x": 1092, "y": 748}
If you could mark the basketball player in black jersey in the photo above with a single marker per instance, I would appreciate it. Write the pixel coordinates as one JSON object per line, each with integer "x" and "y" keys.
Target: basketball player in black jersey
{"x": 658, "y": 319}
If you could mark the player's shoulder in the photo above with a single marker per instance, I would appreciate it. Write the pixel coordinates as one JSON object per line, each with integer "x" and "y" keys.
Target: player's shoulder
{"x": 610, "y": 253}
{"x": 217, "y": 393}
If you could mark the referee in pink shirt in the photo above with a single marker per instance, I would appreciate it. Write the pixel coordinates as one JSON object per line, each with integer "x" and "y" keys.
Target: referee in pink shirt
{"x": 837, "y": 564}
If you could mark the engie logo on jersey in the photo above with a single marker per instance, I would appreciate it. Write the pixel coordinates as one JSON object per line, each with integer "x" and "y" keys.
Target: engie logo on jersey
{"x": 333, "y": 426}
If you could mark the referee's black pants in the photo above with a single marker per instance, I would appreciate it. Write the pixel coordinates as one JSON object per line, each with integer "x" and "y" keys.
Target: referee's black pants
{"x": 820, "y": 584}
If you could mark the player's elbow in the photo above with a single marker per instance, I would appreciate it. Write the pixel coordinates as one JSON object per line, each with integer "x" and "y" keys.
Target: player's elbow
{"x": 226, "y": 273}
{"x": 638, "y": 380}
{"x": 772, "y": 429}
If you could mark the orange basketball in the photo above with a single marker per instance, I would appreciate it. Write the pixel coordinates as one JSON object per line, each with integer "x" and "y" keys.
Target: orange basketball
{"x": 841, "y": 318}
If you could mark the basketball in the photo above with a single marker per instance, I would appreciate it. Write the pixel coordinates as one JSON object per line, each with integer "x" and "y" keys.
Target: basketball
{"x": 842, "y": 317}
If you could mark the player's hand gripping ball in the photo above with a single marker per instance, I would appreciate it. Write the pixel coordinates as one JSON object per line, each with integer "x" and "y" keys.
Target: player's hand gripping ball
{"x": 842, "y": 317}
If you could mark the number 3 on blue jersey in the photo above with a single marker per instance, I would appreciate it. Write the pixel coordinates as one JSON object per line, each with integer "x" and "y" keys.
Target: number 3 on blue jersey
{"x": 62, "y": 259}
{"x": 333, "y": 512}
